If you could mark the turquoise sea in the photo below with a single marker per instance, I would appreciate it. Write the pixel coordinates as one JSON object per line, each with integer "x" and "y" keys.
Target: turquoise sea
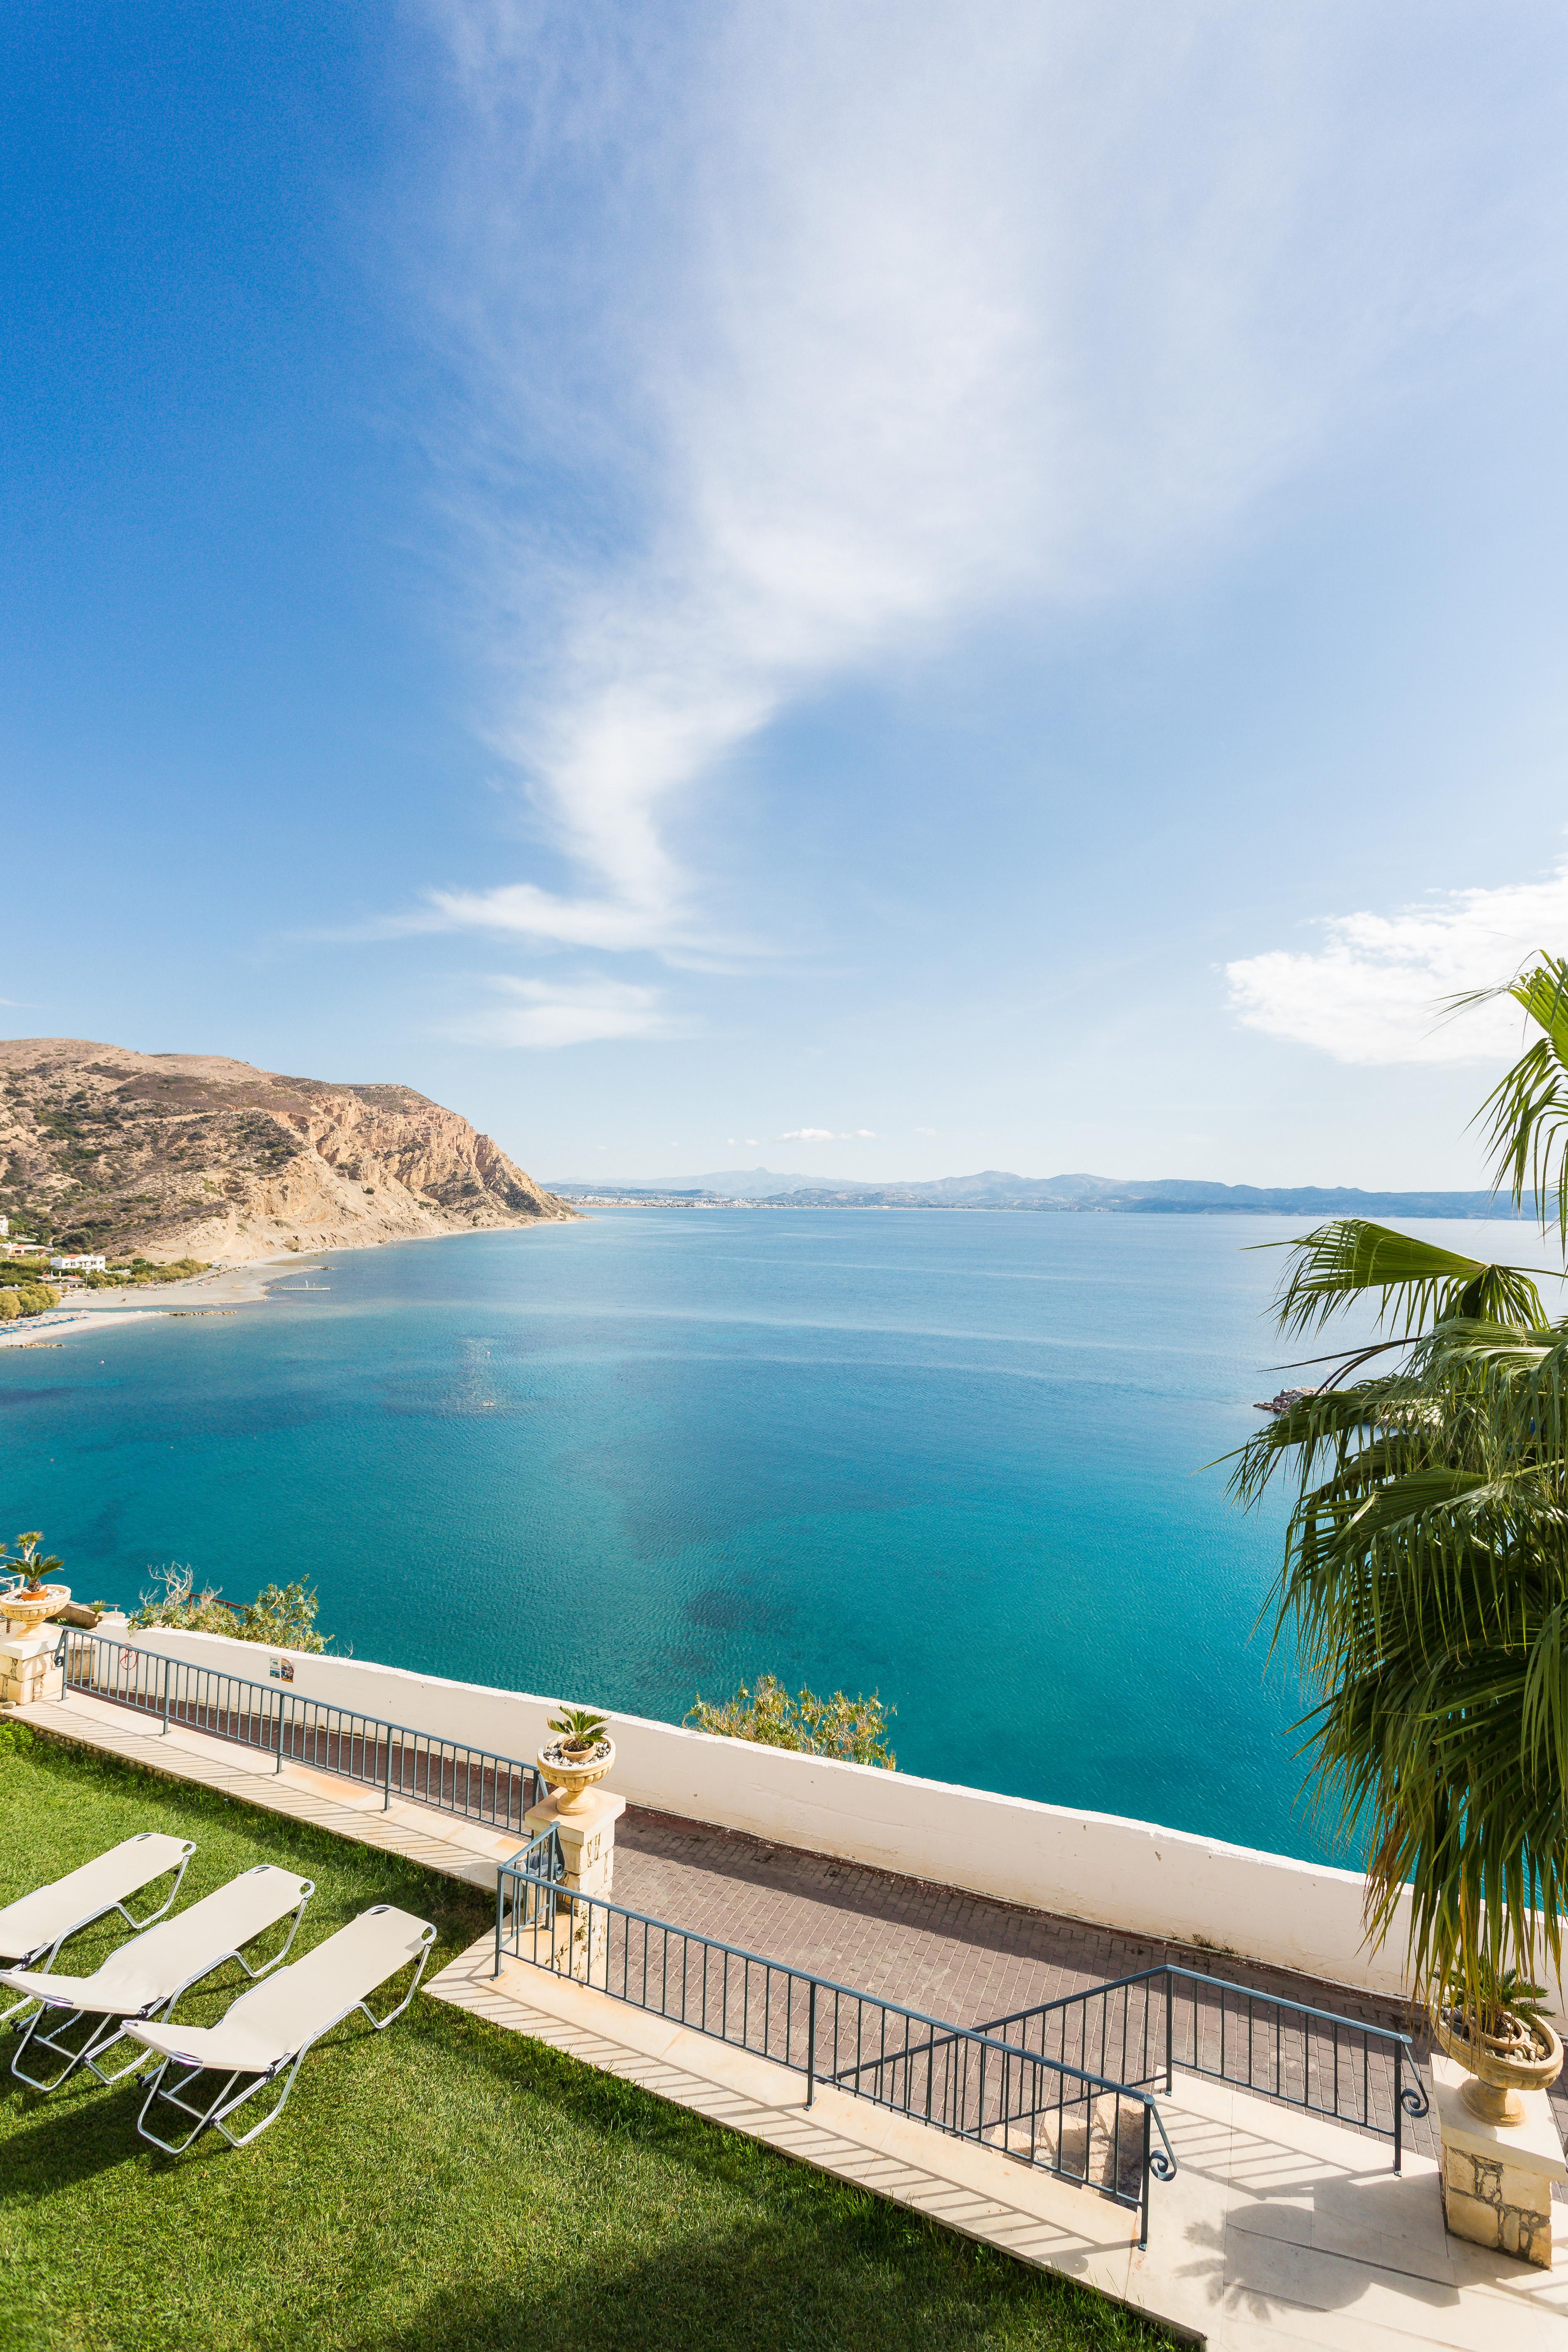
{"x": 957, "y": 1457}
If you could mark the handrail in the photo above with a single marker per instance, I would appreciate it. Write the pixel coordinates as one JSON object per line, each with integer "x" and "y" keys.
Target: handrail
{"x": 449, "y": 1775}
{"x": 1064, "y": 2119}
{"x": 1319, "y": 2027}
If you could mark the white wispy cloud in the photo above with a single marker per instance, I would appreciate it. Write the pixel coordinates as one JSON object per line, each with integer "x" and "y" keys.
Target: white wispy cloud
{"x": 546, "y": 1014}
{"x": 1374, "y": 991}
{"x": 793, "y": 339}
{"x": 826, "y": 1135}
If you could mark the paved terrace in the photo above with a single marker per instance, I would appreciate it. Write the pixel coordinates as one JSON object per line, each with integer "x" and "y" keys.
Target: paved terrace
{"x": 961, "y": 1957}
{"x": 1280, "y": 2230}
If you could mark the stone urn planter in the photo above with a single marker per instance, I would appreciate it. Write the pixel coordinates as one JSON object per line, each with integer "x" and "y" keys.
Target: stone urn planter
{"x": 1528, "y": 2056}
{"x": 28, "y": 1611}
{"x": 574, "y": 1768}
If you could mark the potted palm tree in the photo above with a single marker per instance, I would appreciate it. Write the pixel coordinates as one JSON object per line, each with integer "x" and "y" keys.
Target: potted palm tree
{"x": 1425, "y": 1584}
{"x": 576, "y": 1756}
{"x": 31, "y": 1600}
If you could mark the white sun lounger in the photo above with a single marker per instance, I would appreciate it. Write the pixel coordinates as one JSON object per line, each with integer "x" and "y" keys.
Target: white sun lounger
{"x": 267, "y": 2030}
{"x": 146, "y": 1977}
{"x": 33, "y": 1928}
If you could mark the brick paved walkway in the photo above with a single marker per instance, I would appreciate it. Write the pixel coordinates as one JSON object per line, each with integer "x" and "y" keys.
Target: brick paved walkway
{"x": 958, "y": 1957}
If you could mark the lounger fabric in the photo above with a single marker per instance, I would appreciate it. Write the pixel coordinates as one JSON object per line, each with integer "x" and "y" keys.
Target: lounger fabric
{"x": 50, "y": 1913}
{"x": 154, "y": 1966}
{"x": 272, "y": 2021}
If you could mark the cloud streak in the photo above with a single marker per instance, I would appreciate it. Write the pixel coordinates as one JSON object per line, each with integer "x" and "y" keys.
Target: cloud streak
{"x": 1373, "y": 993}
{"x": 846, "y": 327}
{"x": 546, "y": 1014}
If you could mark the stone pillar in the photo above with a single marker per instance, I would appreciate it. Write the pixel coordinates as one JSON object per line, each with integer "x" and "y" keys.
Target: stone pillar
{"x": 28, "y": 1668}
{"x": 588, "y": 1835}
{"x": 1497, "y": 2178}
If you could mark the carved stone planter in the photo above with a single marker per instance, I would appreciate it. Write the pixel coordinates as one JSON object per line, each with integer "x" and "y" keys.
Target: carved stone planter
{"x": 571, "y": 1774}
{"x": 1495, "y": 2089}
{"x": 28, "y": 1611}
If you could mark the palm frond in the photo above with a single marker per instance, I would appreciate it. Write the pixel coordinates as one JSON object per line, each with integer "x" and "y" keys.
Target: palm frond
{"x": 1526, "y": 1112}
{"x": 1415, "y": 1281}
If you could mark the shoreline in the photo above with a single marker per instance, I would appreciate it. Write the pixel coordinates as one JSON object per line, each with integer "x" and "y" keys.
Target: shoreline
{"x": 221, "y": 1290}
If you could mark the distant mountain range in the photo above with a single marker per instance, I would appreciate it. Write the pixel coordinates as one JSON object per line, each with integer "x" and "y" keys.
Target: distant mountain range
{"x": 995, "y": 1187}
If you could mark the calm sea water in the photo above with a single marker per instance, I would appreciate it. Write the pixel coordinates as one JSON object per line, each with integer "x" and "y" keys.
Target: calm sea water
{"x": 956, "y": 1458}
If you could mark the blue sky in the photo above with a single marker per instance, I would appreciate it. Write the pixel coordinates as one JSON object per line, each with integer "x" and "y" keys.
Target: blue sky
{"x": 887, "y": 590}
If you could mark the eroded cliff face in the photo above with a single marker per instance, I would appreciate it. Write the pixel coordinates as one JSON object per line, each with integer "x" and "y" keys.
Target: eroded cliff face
{"x": 177, "y": 1155}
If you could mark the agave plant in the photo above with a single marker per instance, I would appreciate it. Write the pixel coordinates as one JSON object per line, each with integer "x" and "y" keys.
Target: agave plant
{"x": 1425, "y": 1584}
{"x": 579, "y": 1730}
{"x": 34, "y": 1572}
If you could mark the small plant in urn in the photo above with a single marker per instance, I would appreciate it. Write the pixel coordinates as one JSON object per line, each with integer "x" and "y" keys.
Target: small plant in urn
{"x": 579, "y": 1753}
{"x": 1490, "y": 2020}
{"x": 32, "y": 1599}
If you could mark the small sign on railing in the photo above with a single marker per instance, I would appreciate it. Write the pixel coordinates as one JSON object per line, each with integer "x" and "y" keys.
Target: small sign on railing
{"x": 282, "y": 1669}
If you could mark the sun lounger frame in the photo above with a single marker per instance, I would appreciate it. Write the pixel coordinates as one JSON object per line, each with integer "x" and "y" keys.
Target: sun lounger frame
{"x": 96, "y": 2045}
{"x": 48, "y": 1953}
{"x": 223, "y": 2106}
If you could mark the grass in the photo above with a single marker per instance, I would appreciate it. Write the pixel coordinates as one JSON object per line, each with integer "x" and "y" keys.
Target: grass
{"x": 445, "y": 2184}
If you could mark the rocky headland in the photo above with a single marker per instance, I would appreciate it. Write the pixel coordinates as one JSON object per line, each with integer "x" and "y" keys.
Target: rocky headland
{"x": 193, "y": 1155}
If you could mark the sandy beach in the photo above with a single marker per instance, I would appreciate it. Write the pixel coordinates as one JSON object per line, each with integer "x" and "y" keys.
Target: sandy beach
{"x": 95, "y": 1313}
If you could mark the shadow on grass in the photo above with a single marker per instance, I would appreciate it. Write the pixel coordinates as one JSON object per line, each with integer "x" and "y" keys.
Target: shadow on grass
{"x": 61, "y": 2139}
{"x": 872, "y": 2278}
{"x": 56, "y": 2139}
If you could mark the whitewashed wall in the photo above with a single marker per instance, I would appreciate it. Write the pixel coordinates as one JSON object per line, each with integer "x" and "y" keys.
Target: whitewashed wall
{"x": 1093, "y": 1866}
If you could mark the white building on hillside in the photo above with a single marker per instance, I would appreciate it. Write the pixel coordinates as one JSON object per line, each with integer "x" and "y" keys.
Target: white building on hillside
{"x": 81, "y": 1262}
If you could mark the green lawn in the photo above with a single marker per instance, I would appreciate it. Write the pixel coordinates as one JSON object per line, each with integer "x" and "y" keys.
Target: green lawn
{"x": 443, "y": 2184}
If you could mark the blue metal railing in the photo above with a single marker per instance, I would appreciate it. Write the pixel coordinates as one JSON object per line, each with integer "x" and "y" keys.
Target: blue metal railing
{"x": 449, "y": 1774}
{"x": 1140, "y": 2028}
{"x": 1071, "y": 2120}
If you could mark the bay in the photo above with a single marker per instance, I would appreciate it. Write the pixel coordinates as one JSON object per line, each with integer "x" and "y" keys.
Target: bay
{"x": 957, "y": 1458}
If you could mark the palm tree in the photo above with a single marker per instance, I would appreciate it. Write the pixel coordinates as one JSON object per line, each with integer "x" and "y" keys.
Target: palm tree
{"x": 34, "y": 1571}
{"x": 1425, "y": 1584}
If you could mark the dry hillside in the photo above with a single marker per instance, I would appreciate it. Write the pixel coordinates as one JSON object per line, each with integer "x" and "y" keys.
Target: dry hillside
{"x": 176, "y": 1155}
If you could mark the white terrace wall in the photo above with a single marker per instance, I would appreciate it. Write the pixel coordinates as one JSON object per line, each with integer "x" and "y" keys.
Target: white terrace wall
{"x": 1093, "y": 1866}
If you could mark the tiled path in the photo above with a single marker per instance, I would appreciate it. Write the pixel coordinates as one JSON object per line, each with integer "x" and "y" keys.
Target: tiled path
{"x": 459, "y": 1848}
{"x": 961, "y": 1957}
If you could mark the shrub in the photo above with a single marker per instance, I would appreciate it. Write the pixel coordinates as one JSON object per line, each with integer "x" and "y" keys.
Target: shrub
{"x": 854, "y": 1730}
{"x": 282, "y": 1616}
{"x": 26, "y": 1298}
{"x": 141, "y": 1269}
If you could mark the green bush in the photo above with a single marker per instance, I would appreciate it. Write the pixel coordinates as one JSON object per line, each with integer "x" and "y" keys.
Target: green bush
{"x": 141, "y": 1269}
{"x": 854, "y": 1730}
{"x": 26, "y": 1298}
{"x": 281, "y": 1615}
